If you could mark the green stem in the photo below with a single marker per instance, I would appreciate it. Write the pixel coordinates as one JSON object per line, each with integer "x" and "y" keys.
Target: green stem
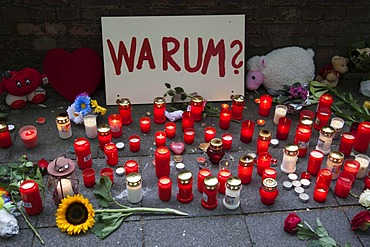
{"x": 142, "y": 210}
{"x": 120, "y": 205}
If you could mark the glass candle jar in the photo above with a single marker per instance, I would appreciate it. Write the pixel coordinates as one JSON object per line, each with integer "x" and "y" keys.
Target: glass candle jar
{"x": 225, "y": 117}
{"x": 210, "y": 186}
{"x": 222, "y": 176}
{"x": 83, "y": 153}
{"x": 159, "y": 108}
{"x": 145, "y": 124}
{"x": 202, "y": 174}
{"x": 164, "y": 188}
{"x": 5, "y": 139}
{"x": 185, "y": 184}
{"x": 28, "y": 135}
{"x": 364, "y": 161}
{"x": 367, "y": 182}
{"x": 115, "y": 124}
{"x": 131, "y": 166}
{"x": 334, "y": 163}
{"x": 325, "y": 139}
{"x": 246, "y": 132}
{"x": 124, "y": 107}
{"x": 283, "y": 128}
{"x": 344, "y": 184}
{"x": 245, "y": 169}
{"x": 322, "y": 118}
{"x": 265, "y": 105}
{"x": 162, "y": 162}
{"x": 362, "y": 137}
{"x": 325, "y": 101}
{"x": 187, "y": 120}
{"x": 227, "y": 140}
{"x": 346, "y": 143}
{"x": 324, "y": 176}
{"x": 269, "y": 172}
{"x": 290, "y": 159}
{"x": 160, "y": 138}
{"x": 134, "y": 141}
{"x": 215, "y": 151}
{"x": 308, "y": 114}
{"x": 209, "y": 133}
{"x": 63, "y": 125}
{"x": 91, "y": 128}
{"x": 31, "y": 197}
{"x": 314, "y": 162}
{"x": 268, "y": 191}
{"x": 111, "y": 154}
{"x": 231, "y": 200}
{"x": 351, "y": 166}
{"x": 354, "y": 127}
{"x": 170, "y": 129}
{"x": 302, "y": 139}
{"x": 196, "y": 107}
{"x": 263, "y": 161}
{"x": 134, "y": 187}
{"x": 337, "y": 124}
{"x": 104, "y": 135}
{"x": 189, "y": 134}
{"x": 308, "y": 122}
{"x": 237, "y": 107}
{"x": 320, "y": 192}
{"x": 280, "y": 111}
{"x": 263, "y": 141}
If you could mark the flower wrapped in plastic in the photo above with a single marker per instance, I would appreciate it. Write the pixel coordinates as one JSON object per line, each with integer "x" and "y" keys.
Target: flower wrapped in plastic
{"x": 82, "y": 106}
{"x": 295, "y": 97}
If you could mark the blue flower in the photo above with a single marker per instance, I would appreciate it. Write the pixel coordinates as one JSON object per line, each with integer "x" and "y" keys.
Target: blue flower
{"x": 82, "y": 104}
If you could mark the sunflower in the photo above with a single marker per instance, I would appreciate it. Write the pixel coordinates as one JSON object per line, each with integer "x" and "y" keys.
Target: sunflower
{"x": 75, "y": 214}
{"x": 82, "y": 104}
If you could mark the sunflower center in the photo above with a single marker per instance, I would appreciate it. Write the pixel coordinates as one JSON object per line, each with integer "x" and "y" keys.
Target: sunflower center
{"x": 76, "y": 213}
{"x": 83, "y": 105}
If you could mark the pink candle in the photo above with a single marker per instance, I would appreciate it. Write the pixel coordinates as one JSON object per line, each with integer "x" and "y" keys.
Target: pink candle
{"x": 115, "y": 124}
{"x": 145, "y": 125}
{"x": 247, "y": 130}
{"x": 225, "y": 117}
{"x": 29, "y": 136}
{"x": 187, "y": 120}
{"x": 351, "y": 166}
{"x": 227, "y": 140}
{"x": 170, "y": 129}
{"x": 265, "y": 105}
{"x": 209, "y": 133}
{"x": 283, "y": 128}
{"x": 189, "y": 134}
{"x": 134, "y": 143}
{"x": 160, "y": 138}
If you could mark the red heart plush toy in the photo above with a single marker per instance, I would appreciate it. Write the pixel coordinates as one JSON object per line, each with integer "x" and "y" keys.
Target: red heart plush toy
{"x": 73, "y": 73}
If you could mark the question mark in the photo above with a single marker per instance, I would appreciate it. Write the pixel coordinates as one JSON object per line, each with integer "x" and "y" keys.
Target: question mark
{"x": 233, "y": 60}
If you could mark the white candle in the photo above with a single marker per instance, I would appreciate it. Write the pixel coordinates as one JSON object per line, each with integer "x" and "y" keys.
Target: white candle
{"x": 65, "y": 186}
{"x": 91, "y": 128}
{"x": 337, "y": 123}
{"x": 364, "y": 164}
{"x": 280, "y": 111}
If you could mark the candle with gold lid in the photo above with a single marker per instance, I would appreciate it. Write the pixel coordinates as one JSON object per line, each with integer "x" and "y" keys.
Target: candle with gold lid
{"x": 268, "y": 191}
{"x": 237, "y": 107}
{"x": 210, "y": 186}
{"x": 134, "y": 187}
{"x": 124, "y": 107}
{"x": 231, "y": 200}
{"x": 196, "y": 107}
{"x": 263, "y": 141}
{"x": 334, "y": 163}
{"x": 325, "y": 139}
{"x": 245, "y": 168}
{"x": 185, "y": 184}
{"x": 63, "y": 125}
{"x": 215, "y": 151}
{"x": 159, "y": 108}
{"x": 290, "y": 159}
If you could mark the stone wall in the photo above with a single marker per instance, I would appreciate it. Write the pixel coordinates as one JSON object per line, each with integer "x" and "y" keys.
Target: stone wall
{"x": 29, "y": 28}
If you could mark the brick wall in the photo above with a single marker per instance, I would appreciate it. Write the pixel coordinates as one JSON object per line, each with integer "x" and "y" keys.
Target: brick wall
{"x": 29, "y": 28}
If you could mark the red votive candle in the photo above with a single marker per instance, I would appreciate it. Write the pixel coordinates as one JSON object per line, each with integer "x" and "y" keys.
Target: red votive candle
{"x": 5, "y": 139}
{"x": 283, "y": 128}
{"x": 306, "y": 175}
{"x": 164, "y": 188}
{"x": 246, "y": 132}
{"x": 268, "y": 191}
{"x": 320, "y": 192}
{"x": 325, "y": 101}
{"x": 322, "y": 118}
{"x": 111, "y": 154}
{"x": 367, "y": 182}
{"x": 263, "y": 141}
{"x": 202, "y": 174}
{"x": 302, "y": 139}
{"x": 134, "y": 141}
{"x": 227, "y": 140}
{"x": 265, "y": 105}
{"x": 160, "y": 138}
{"x": 115, "y": 124}
{"x": 222, "y": 176}
{"x": 314, "y": 162}
{"x": 362, "y": 137}
{"x": 162, "y": 162}
{"x": 145, "y": 124}
{"x": 237, "y": 107}
{"x": 269, "y": 173}
{"x": 263, "y": 161}
{"x": 225, "y": 117}
{"x": 306, "y": 114}
{"x": 209, "y": 199}
{"x": 196, "y": 107}
{"x": 131, "y": 166}
{"x": 124, "y": 107}
{"x": 344, "y": 184}
{"x": 245, "y": 168}
{"x": 29, "y": 136}
{"x": 185, "y": 184}
{"x": 83, "y": 153}
{"x": 170, "y": 129}
{"x": 209, "y": 133}
{"x": 104, "y": 135}
{"x": 189, "y": 134}
{"x": 88, "y": 176}
{"x": 346, "y": 143}
{"x": 107, "y": 172}
{"x": 351, "y": 166}
{"x": 159, "y": 109}
{"x": 31, "y": 197}
{"x": 187, "y": 120}
{"x": 324, "y": 176}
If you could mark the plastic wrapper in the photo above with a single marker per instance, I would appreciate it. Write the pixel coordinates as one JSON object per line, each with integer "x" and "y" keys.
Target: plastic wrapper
{"x": 8, "y": 224}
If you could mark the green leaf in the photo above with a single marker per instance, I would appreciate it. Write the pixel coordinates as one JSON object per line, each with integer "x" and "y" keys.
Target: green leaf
{"x": 348, "y": 244}
{"x": 167, "y": 85}
{"x": 327, "y": 242}
{"x": 3, "y": 171}
{"x": 321, "y": 232}
{"x": 313, "y": 243}
{"x": 171, "y": 93}
{"x": 305, "y": 233}
{"x": 179, "y": 89}
{"x": 183, "y": 97}
{"x": 107, "y": 223}
{"x": 3, "y": 116}
{"x": 102, "y": 192}
{"x": 29, "y": 164}
{"x": 13, "y": 165}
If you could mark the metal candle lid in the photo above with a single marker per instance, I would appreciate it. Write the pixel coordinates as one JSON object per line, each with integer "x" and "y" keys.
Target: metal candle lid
{"x": 62, "y": 118}
{"x": 104, "y": 130}
{"x": 61, "y": 167}
{"x": 265, "y": 135}
{"x": 327, "y": 131}
{"x": 246, "y": 160}
{"x": 197, "y": 100}
{"x": 123, "y": 103}
{"x": 216, "y": 144}
{"x": 159, "y": 102}
{"x": 185, "y": 177}
{"x": 336, "y": 156}
{"x": 234, "y": 183}
{"x": 211, "y": 183}
{"x": 291, "y": 149}
{"x": 269, "y": 184}
{"x": 3, "y": 127}
{"x": 133, "y": 179}
{"x": 238, "y": 99}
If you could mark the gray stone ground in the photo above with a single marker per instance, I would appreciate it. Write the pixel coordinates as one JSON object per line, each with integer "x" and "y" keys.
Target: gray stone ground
{"x": 252, "y": 224}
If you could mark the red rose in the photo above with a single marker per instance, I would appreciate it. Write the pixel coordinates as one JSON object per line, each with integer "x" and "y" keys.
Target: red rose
{"x": 361, "y": 221}
{"x": 291, "y": 222}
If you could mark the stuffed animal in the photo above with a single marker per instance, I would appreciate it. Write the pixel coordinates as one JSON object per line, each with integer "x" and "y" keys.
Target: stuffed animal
{"x": 22, "y": 86}
{"x": 329, "y": 74}
{"x": 284, "y": 66}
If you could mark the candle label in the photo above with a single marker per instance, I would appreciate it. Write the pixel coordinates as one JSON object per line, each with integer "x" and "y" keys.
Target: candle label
{"x": 303, "y": 145}
{"x": 317, "y": 121}
{"x": 230, "y": 200}
{"x": 87, "y": 158}
{"x": 65, "y": 128}
{"x": 205, "y": 197}
{"x": 27, "y": 204}
{"x": 115, "y": 128}
{"x": 320, "y": 143}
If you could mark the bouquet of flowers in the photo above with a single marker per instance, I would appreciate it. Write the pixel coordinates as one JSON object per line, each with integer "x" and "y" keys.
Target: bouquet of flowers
{"x": 295, "y": 97}
{"x": 82, "y": 106}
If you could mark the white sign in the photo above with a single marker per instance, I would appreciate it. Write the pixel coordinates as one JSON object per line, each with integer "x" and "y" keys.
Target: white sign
{"x": 203, "y": 54}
